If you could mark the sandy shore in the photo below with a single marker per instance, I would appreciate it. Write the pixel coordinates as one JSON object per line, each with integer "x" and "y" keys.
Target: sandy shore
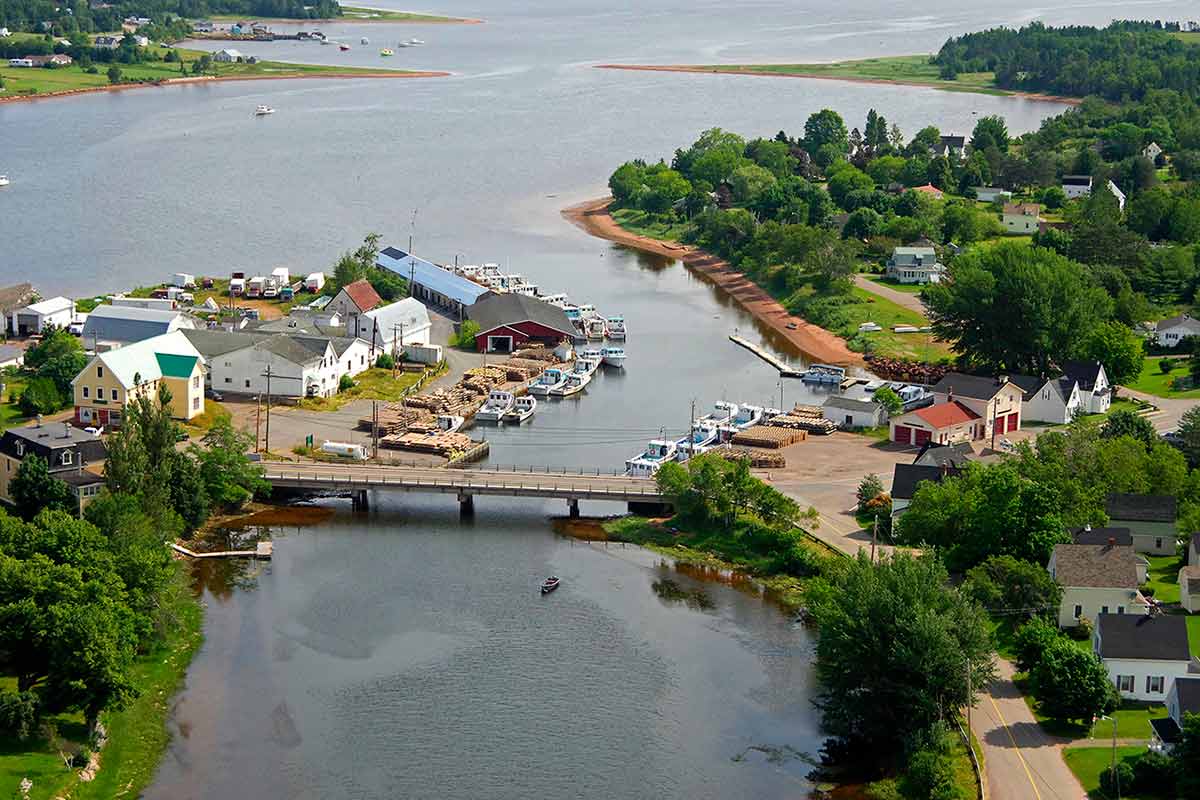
{"x": 815, "y": 342}
{"x": 121, "y": 87}
{"x": 1074, "y": 101}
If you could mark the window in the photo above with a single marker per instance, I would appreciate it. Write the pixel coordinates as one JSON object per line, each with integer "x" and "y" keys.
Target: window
{"x": 247, "y": 383}
{"x": 1120, "y": 609}
{"x": 1103, "y": 609}
{"x": 228, "y": 379}
{"x": 67, "y": 457}
{"x": 195, "y": 403}
{"x": 99, "y": 392}
{"x": 1125, "y": 683}
{"x": 85, "y": 393}
{"x": 1158, "y": 543}
{"x": 1154, "y": 684}
{"x": 20, "y": 448}
{"x": 195, "y": 381}
{"x": 1078, "y": 611}
{"x": 114, "y": 394}
{"x": 99, "y": 372}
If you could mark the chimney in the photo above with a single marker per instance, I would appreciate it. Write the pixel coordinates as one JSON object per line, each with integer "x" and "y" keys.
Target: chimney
{"x": 66, "y": 430}
{"x": 1112, "y": 541}
{"x": 39, "y": 421}
{"x": 950, "y": 394}
{"x": 1001, "y": 380}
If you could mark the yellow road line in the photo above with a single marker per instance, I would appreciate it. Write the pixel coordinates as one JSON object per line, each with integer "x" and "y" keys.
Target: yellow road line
{"x": 1016, "y": 747}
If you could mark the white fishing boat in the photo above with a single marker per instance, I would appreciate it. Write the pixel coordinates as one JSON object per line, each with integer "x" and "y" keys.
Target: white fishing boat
{"x": 746, "y": 416}
{"x": 595, "y": 329}
{"x": 616, "y": 328}
{"x": 550, "y": 379}
{"x": 647, "y": 462}
{"x": 387, "y": 51}
{"x": 449, "y": 423}
{"x": 722, "y": 414}
{"x": 498, "y": 404}
{"x": 522, "y": 409}
{"x": 576, "y": 382}
{"x": 586, "y": 366}
{"x": 559, "y": 299}
{"x": 704, "y": 436}
{"x": 263, "y": 111}
{"x": 592, "y": 353}
{"x": 416, "y": 42}
{"x": 613, "y": 356}
{"x": 4, "y": 180}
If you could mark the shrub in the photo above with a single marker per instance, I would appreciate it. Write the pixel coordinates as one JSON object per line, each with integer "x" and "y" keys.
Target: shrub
{"x": 1166, "y": 365}
{"x": 40, "y": 397}
{"x": 385, "y": 361}
{"x": 1152, "y": 771}
{"x": 465, "y": 338}
{"x": 19, "y": 714}
{"x": 1119, "y": 781}
{"x": 1081, "y": 632}
{"x": 345, "y": 383}
{"x": 868, "y": 489}
{"x": 1032, "y": 640}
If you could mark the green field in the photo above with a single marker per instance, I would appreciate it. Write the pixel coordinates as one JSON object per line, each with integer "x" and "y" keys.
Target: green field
{"x": 1193, "y": 624}
{"x": 1133, "y": 721}
{"x": 22, "y": 81}
{"x": 914, "y": 69}
{"x": 1163, "y": 576}
{"x": 907, "y": 288}
{"x": 1088, "y": 762}
{"x": 1154, "y": 381}
{"x": 10, "y": 412}
{"x": 371, "y": 384}
{"x": 644, "y": 224}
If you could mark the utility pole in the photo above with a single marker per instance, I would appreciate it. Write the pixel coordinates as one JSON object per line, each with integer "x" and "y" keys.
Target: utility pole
{"x": 691, "y": 425}
{"x": 375, "y": 430}
{"x": 781, "y": 408}
{"x": 395, "y": 344}
{"x": 1116, "y": 775}
{"x": 993, "y": 423}
{"x": 267, "y": 442}
{"x": 257, "y": 420}
{"x": 874, "y": 537}
{"x": 968, "y": 686}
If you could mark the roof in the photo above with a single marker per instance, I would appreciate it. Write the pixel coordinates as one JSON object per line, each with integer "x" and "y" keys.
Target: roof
{"x": 906, "y": 477}
{"x": 409, "y": 312}
{"x": 1085, "y": 372}
{"x": 977, "y": 387}
{"x": 1141, "y": 507}
{"x": 1101, "y": 566}
{"x": 80, "y": 478}
{"x": 130, "y": 323}
{"x": 52, "y": 434}
{"x": 1182, "y": 321}
{"x": 10, "y": 352}
{"x": 953, "y": 140}
{"x": 297, "y": 349}
{"x": 943, "y": 415}
{"x": 431, "y": 276}
{"x": 362, "y": 294}
{"x": 140, "y": 359}
{"x": 916, "y": 252}
{"x": 173, "y": 365}
{"x": 942, "y": 455}
{"x": 1077, "y": 180}
{"x": 1031, "y": 386}
{"x": 51, "y": 306}
{"x": 1160, "y": 637}
{"x": 1166, "y": 728}
{"x": 1023, "y": 209}
{"x": 507, "y": 309}
{"x": 1188, "y": 690}
{"x": 215, "y": 342}
{"x": 1090, "y": 535}
{"x": 928, "y": 188}
{"x": 851, "y": 404}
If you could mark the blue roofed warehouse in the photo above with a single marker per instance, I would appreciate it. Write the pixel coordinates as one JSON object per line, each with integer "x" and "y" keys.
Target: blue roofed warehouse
{"x": 432, "y": 284}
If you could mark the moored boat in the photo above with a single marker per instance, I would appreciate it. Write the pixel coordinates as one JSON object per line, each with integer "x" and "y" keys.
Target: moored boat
{"x": 551, "y": 378}
{"x": 263, "y": 111}
{"x": 364, "y": 40}
{"x": 387, "y": 51}
{"x": 343, "y": 47}
{"x": 576, "y": 382}
{"x": 498, "y": 403}
{"x": 550, "y": 584}
{"x": 449, "y": 423}
{"x": 586, "y": 366}
{"x": 647, "y": 462}
{"x": 823, "y": 373}
{"x": 613, "y": 356}
{"x": 522, "y": 409}
{"x": 723, "y": 412}
{"x": 704, "y": 435}
{"x": 594, "y": 329}
{"x": 4, "y": 180}
{"x": 616, "y": 328}
{"x": 746, "y": 416}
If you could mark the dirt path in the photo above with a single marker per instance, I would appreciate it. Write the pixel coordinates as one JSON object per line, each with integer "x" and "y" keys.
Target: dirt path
{"x": 821, "y": 76}
{"x": 816, "y": 343}
{"x": 1023, "y": 761}
{"x": 910, "y": 301}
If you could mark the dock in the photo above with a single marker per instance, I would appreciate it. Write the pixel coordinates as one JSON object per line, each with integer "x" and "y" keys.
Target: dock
{"x": 263, "y": 550}
{"x": 785, "y": 370}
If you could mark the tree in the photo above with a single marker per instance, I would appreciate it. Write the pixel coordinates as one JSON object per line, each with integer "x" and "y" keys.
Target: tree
{"x": 664, "y": 188}
{"x": 465, "y": 338}
{"x": 1032, "y": 639}
{"x": 748, "y": 182}
{"x": 1124, "y": 422}
{"x": 924, "y": 142}
{"x": 886, "y": 396}
{"x": 863, "y": 224}
{"x": 1007, "y": 585}
{"x": 34, "y": 488}
{"x": 40, "y": 397}
{"x": 1072, "y": 684}
{"x": 848, "y": 179}
{"x": 1186, "y": 755}
{"x": 1115, "y": 346}
{"x": 1054, "y": 198}
{"x": 1056, "y": 301}
{"x": 1189, "y": 433}
{"x": 229, "y": 477}
{"x": 114, "y": 74}
{"x": 990, "y": 132}
{"x": 627, "y": 182}
{"x": 826, "y": 128}
{"x": 869, "y": 488}
{"x": 899, "y": 650}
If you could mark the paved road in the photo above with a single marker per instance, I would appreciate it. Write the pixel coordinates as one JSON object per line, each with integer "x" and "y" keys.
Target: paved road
{"x": 1170, "y": 410}
{"x": 905, "y": 299}
{"x": 1022, "y": 761}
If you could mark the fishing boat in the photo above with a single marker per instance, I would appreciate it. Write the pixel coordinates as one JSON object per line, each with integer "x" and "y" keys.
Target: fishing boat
{"x": 498, "y": 403}
{"x": 723, "y": 412}
{"x": 576, "y": 382}
{"x": 595, "y": 329}
{"x": 449, "y": 423}
{"x": 550, "y": 584}
{"x": 704, "y": 435}
{"x": 592, "y": 353}
{"x": 746, "y": 416}
{"x": 416, "y": 42}
{"x": 613, "y": 356}
{"x": 387, "y": 51}
{"x": 343, "y": 47}
{"x": 823, "y": 373}
{"x": 522, "y": 409}
{"x": 647, "y": 462}
{"x": 586, "y": 366}
{"x": 616, "y": 328}
{"x": 263, "y": 111}
{"x": 364, "y": 40}
{"x": 4, "y": 180}
{"x": 559, "y": 299}
{"x": 548, "y": 380}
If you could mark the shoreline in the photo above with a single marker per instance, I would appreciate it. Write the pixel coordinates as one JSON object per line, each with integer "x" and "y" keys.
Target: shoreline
{"x": 813, "y": 341}
{"x": 945, "y": 86}
{"x": 120, "y": 87}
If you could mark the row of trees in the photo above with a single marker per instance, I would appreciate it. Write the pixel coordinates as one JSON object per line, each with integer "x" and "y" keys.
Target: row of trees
{"x": 81, "y": 16}
{"x": 361, "y": 263}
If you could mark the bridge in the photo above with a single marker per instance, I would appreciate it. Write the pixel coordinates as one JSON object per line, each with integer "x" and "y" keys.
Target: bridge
{"x": 357, "y": 479}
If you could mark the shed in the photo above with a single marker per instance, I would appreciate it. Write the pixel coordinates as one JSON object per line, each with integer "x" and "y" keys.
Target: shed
{"x": 851, "y": 413}
{"x": 508, "y": 322}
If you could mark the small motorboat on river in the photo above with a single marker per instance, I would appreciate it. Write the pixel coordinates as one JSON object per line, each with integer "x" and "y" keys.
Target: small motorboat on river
{"x": 263, "y": 111}
{"x": 550, "y": 584}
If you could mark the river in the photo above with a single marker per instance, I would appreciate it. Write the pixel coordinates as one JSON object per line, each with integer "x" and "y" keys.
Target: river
{"x": 405, "y": 654}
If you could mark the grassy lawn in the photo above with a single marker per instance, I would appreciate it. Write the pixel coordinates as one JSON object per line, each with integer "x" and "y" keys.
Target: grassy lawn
{"x": 196, "y": 427}
{"x": 1163, "y": 577}
{"x": 1133, "y": 721}
{"x": 1193, "y": 624}
{"x": 46, "y": 81}
{"x": 907, "y": 288}
{"x": 137, "y": 735}
{"x": 1154, "y": 381}
{"x": 372, "y": 384}
{"x": 870, "y": 307}
{"x": 643, "y": 224}
{"x": 10, "y": 412}
{"x": 1088, "y": 762}
{"x": 914, "y": 69}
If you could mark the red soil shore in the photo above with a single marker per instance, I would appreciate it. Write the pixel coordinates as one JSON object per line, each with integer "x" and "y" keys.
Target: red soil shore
{"x": 815, "y": 342}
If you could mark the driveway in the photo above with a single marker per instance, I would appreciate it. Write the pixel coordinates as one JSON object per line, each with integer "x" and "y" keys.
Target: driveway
{"x": 1169, "y": 411}
{"x": 1022, "y": 761}
{"x": 910, "y": 301}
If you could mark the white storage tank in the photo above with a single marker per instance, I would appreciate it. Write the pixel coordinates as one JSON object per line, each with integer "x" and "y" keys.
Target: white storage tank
{"x": 345, "y": 450}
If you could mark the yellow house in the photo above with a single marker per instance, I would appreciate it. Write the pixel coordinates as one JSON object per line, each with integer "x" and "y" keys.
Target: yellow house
{"x": 110, "y": 380}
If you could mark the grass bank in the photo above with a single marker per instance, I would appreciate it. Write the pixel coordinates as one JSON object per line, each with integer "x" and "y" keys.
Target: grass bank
{"x": 1089, "y": 762}
{"x": 373, "y": 384}
{"x": 1153, "y": 380}
{"x": 137, "y": 736}
{"x": 352, "y": 14}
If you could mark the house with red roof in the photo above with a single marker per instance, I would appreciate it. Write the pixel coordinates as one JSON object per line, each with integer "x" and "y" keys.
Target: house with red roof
{"x": 930, "y": 190}
{"x": 354, "y": 300}
{"x": 941, "y": 423}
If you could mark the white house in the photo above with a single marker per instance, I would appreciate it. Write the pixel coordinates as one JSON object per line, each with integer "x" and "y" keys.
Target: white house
{"x": 1053, "y": 400}
{"x": 1095, "y": 391}
{"x": 1074, "y": 186}
{"x": 301, "y": 364}
{"x": 1182, "y": 698}
{"x": 352, "y": 301}
{"x": 33, "y": 318}
{"x": 1152, "y": 151}
{"x": 1117, "y": 193}
{"x": 915, "y": 265}
{"x": 353, "y": 355}
{"x": 1189, "y": 588}
{"x": 227, "y": 56}
{"x": 1021, "y": 218}
{"x": 851, "y": 413}
{"x": 1170, "y": 332}
{"x": 906, "y": 478}
{"x": 990, "y": 194}
{"x": 1144, "y": 655}
{"x": 1097, "y": 579}
{"x": 1150, "y": 519}
{"x": 392, "y": 326}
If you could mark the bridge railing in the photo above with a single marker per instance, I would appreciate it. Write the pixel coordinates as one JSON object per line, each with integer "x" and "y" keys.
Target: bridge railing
{"x": 468, "y": 486}
{"x": 499, "y": 469}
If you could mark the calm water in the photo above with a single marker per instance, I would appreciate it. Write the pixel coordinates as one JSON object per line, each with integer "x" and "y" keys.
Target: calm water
{"x": 398, "y": 655}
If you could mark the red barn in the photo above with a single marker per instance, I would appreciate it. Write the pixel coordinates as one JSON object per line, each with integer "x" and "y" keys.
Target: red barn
{"x": 508, "y": 322}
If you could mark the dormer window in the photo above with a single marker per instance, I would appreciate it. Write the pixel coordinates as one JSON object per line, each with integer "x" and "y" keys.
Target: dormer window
{"x": 20, "y": 448}
{"x": 67, "y": 457}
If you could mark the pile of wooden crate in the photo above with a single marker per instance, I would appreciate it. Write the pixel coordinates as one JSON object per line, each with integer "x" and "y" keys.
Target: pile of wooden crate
{"x": 804, "y": 418}
{"x": 757, "y": 458}
{"x": 769, "y": 436}
{"x": 441, "y": 443}
{"x": 395, "y": 417}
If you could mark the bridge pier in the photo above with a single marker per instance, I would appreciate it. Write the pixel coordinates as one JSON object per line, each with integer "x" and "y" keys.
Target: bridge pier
{"x": 573, "y": 506}
{"x": 358, "y": 500}
{"x": 466, "y": 505}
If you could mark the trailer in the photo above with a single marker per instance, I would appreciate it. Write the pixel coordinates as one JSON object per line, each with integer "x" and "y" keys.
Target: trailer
{"x": 183, "y": 280}
{"x": 355, "y": 452}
